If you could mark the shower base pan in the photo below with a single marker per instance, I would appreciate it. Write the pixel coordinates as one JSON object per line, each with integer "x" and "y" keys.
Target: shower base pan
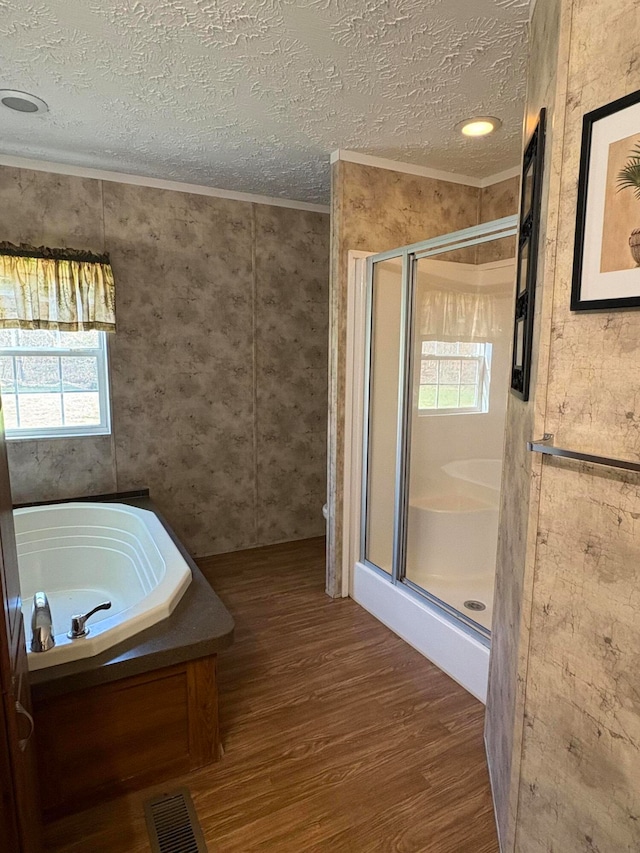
{"x": 452, "y": 648}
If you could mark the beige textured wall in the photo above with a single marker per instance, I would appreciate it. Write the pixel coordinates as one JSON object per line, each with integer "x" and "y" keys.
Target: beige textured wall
{"x": 374, "y": 210}
{"x": 521, "y": 470}
{"x": 580, "y": 775}
{"x": 218, "y": 368}
{"x": 570, "y": 548}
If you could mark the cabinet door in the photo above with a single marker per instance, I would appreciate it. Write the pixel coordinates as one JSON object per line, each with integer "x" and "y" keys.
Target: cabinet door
{"x": 18, "y": 781}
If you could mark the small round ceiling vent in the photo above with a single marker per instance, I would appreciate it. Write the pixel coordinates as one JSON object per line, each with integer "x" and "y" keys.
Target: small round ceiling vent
{"x": 22, "y": 102}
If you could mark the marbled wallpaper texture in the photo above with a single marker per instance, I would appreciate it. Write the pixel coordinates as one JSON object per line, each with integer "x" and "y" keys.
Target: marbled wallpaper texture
{"x": 567, "y": 732}
{"x": 374, "y": 210}
{"x": 219, "y": 364}
{"x": 521, "y": 469}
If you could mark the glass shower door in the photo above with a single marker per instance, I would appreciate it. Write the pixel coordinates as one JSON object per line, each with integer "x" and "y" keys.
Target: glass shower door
{"x": 439, "y": 334}
{"x": 459, "y": 379}
{"x": 386, "y": 296}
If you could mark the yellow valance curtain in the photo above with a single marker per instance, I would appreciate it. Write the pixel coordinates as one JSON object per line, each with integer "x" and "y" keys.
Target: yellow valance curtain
{"x": 57, "y": 289}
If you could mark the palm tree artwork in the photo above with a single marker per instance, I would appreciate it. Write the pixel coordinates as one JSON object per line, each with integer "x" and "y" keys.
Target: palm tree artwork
{"x": 629, "y": 178}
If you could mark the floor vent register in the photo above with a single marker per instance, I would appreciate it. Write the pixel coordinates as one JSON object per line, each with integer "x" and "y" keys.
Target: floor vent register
{"x": 173, "y": 824}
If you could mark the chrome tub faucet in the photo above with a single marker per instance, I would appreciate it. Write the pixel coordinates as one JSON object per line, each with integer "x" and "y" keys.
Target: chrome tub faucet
{"x": 42, "y": 637}
{"x": 78, "y": 622}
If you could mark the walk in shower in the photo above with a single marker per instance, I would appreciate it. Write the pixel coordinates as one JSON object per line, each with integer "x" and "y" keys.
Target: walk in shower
{"x": 439, "y": 328}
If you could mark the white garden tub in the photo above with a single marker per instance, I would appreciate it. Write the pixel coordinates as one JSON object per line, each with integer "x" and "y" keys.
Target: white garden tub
{"x": 81, "y": 554}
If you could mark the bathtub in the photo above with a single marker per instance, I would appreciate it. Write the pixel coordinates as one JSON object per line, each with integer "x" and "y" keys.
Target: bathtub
{"x": 82, "y": 554}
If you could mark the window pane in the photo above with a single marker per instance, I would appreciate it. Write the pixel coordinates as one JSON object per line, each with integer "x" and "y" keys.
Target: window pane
{"x": 468, "y": 396}
{"x": 428, "y": 397}
{"x": 446, "y": 349}
{"x": 40, "y": 410}
{"x": 428, "y": 371}
{"x": 37, "y": 338}
{"x": 9, "y": 411}
{"x": 8, "y": 337}
{"x": 81, "y": 409}
{"x": 38, "y": 374}
{"x": 469, "y": 372}
{"x": 449, "y": 372}
{"x": 448, "y": 396}
{"x": 429, "y": 347}
{"x": 7, "y": 379}
{"x": 470, "y": 349}
{"x": 79, "y": 374}
{"x": 80, "y": 340}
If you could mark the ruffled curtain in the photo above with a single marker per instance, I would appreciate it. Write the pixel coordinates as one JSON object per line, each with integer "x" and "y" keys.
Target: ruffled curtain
{"x": 57, "y": 289}
{"x": 452, "y": 315}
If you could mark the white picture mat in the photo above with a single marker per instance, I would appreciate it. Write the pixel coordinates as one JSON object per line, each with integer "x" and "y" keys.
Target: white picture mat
{"x": 618, "y": 284}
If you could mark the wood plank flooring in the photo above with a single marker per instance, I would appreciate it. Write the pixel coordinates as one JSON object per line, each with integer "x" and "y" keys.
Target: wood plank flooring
{"x": 337, "y": 735}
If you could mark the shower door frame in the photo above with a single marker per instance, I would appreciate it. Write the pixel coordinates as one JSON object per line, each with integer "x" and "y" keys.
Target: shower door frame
{"x": 410, "y": 255}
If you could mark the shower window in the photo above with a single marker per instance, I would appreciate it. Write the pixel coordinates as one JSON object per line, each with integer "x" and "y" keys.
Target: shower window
{"x": 454, "y": 377}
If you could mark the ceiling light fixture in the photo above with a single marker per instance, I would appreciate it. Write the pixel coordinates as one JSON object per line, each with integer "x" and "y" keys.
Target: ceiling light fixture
{"x": 479, "y": 125}
{"x": 22, "y": 102}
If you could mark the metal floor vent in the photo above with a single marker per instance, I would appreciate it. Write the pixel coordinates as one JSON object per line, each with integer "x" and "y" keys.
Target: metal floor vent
{"x": 173, "y": 824}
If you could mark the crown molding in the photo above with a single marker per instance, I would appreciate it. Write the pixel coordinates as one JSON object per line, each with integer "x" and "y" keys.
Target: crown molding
{"x": 421, "y": 171}
{"x": 157, "y": 183}
{"x": 490, "y": 180}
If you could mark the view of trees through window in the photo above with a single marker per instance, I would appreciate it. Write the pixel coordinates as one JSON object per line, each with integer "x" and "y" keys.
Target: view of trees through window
{"x": 53, "y": 381}
{"x": 454, "y": 376}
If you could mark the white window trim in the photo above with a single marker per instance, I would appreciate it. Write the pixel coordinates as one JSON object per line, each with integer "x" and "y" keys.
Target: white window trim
{"x": 484, "y": 380}
{"x": 67, "y": 431}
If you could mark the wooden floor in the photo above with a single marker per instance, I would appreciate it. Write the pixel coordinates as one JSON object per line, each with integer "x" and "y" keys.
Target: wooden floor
{"x": 338, "y": 736}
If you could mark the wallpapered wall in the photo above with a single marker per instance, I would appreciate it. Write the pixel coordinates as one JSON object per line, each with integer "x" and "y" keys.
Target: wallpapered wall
{"x": 521, "y": 470}
{"x": 568, "y": 570}
{"x": 374, "y": 210}
{"x": 219, "y": 364}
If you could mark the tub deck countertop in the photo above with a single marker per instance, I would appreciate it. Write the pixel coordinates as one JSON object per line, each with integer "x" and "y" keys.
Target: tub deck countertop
{"x": 199, "y": 626}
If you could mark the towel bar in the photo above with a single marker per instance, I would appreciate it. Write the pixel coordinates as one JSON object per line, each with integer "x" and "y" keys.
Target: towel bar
{"x": 545, "y": 445}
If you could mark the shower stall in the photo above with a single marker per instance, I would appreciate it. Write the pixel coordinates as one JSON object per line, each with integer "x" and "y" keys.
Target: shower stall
{"x": 435, "y": 375}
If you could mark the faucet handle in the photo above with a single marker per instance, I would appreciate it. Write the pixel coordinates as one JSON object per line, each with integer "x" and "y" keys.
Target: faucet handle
{"x": 78, "y": 622}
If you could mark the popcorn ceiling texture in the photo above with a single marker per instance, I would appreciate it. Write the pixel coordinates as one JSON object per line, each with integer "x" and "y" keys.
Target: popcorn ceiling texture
{"x": 253, "y": 95}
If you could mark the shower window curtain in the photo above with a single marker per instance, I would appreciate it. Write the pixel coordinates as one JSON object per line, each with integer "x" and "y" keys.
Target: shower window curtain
{"x": 454, "y": 315}
{"x": 57, "y": 289}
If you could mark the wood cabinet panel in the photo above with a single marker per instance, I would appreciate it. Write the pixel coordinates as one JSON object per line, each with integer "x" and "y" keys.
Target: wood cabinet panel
{"x": 97, "y": 743}
{"x": 8, "y": 823}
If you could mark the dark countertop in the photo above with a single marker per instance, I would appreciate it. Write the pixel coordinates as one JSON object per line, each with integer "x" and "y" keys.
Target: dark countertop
{"x": 200, "y": 625}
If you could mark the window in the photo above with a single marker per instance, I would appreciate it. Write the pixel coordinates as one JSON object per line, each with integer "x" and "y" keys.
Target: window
{"x": 54, "y": 383}
{"x": 454, "y": 377}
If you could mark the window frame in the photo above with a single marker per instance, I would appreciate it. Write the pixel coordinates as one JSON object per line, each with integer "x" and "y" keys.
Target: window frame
{"x": 483, "y": 383}
{"x": 100, "y": 353}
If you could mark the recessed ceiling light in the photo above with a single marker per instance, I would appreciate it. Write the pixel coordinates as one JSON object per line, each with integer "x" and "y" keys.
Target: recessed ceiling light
{"x": 479, "y": 125}
{"x": 22, "y": 102}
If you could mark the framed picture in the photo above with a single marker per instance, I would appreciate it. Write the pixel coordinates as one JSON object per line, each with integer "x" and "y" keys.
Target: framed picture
{"x": 606, "y": 261}
{"x": 528, "y": 232}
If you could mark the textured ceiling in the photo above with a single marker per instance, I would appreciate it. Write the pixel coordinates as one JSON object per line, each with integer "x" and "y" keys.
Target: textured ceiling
{"x": 253, "y": 95}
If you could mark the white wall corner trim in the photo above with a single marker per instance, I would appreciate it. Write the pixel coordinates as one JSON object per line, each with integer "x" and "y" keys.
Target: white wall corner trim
{"x": 158, "y": 183}
{"x": 422, "y": 171}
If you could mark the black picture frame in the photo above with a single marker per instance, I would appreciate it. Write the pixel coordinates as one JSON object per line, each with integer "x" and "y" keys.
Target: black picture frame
{"x": 590, "y": 151}
{"x": 527, "y": 260}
